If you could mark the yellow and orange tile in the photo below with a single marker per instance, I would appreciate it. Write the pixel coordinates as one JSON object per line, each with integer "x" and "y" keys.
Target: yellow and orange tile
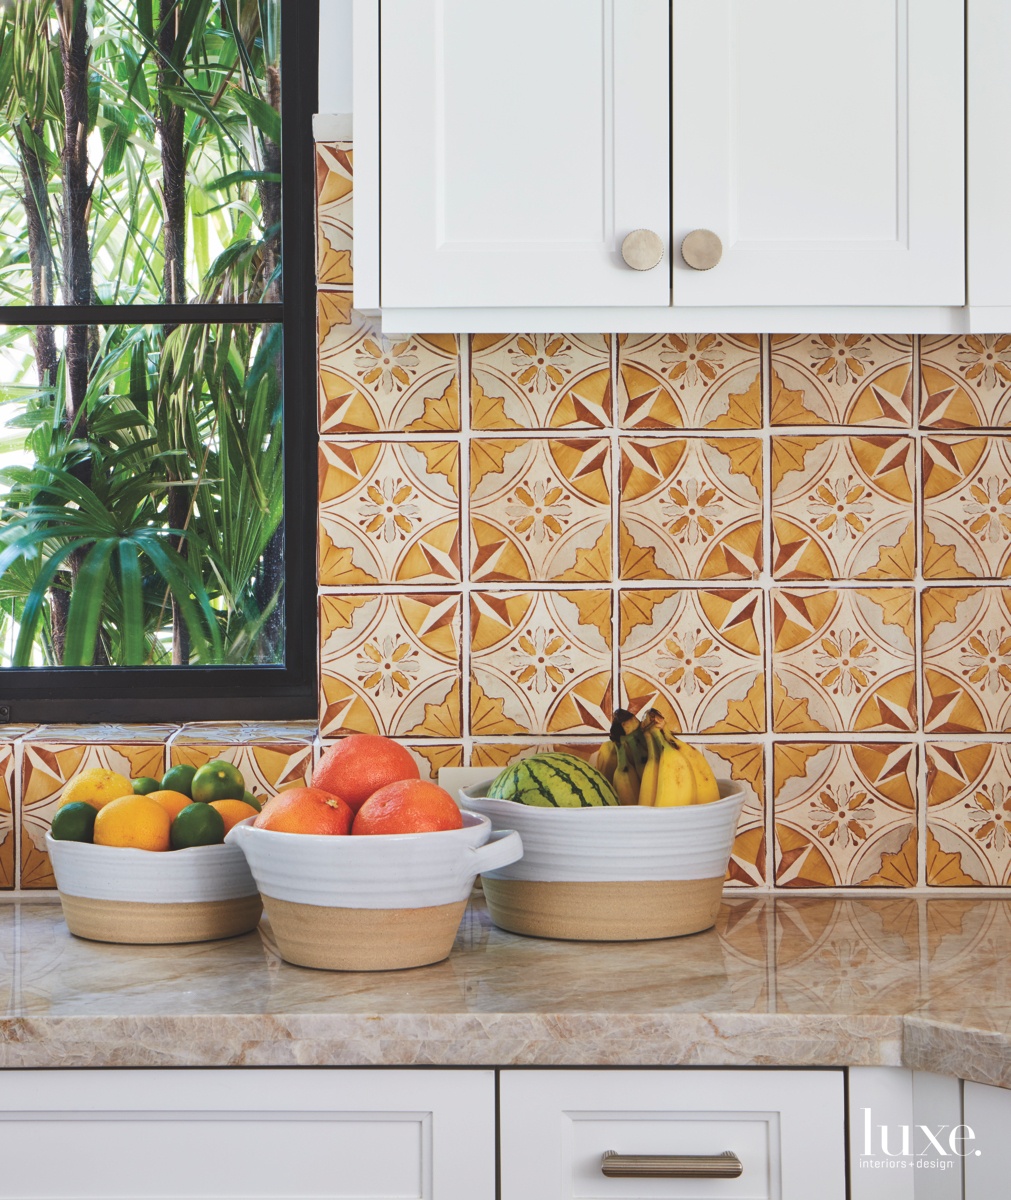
{"x": 696, "y": 656}
{"x": 690, "y": 381}
{"x": 744, "y": 764}
{"x": 501, "y": 754}
{"x": 969, "y": 812}
{"x": 967, "y": 659}
{"x": 967, "y": 507}
{"x": 53, "y": 754}
{"x": 540, "y": 510}
{"x": 845, "y": 814}
{"x": 540, "y": 662}
{"x": 540, "y": 381}
{"x": 372, "y": 383}
{"x": 842, "y": 508}
{"x": 390, "y": 664}
{"x": 965, "y": 381}
{"x": 334, "y": 217}
{"x": 691, "y": 508}
{"x": 10, "y": 778}
{"x": 389, "y": 512}
{"x": 842, "y": 379}
{"x": 270, "y": 756}
{"x": 843, "y": 660}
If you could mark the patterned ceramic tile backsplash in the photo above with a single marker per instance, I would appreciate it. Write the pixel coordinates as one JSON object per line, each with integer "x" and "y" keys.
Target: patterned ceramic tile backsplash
{"x": 794, "y": 546}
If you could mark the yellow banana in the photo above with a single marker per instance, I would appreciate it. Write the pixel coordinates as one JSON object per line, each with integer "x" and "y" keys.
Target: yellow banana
{"x": 626, "y": 781}
{"x": 651, "y": 771}
{"x": 675, "y": 780}
{"x": 607, "y": 760}
{"x": 706, "y": 787}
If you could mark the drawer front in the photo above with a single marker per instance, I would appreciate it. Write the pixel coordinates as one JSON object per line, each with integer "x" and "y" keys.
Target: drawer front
{"x": 786, "y": 1127}
{"x": 273, "y": 1135}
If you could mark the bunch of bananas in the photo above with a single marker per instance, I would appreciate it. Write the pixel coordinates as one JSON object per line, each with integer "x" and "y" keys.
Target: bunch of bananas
{"x": 647, "y": 764}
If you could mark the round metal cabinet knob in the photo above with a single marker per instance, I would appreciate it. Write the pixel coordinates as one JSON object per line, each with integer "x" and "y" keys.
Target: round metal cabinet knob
{"x": 642, "y": 250}
{"x": 702, "y": 249}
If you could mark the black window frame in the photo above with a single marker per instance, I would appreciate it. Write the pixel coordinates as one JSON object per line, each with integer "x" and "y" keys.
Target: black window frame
{"x": 36, "y": 695}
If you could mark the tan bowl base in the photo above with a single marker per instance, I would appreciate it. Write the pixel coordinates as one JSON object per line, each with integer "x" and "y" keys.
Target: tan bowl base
{"x": 363, "y": 939}
{"x": 604, "y": 912}
{"x": 133, "y": 923}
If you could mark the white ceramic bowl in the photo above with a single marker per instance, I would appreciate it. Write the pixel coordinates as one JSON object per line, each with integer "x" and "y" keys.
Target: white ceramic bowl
{"x": 610, "y": 874}
{"x": 370, "y": 903}
{"x": 114, "y": 894}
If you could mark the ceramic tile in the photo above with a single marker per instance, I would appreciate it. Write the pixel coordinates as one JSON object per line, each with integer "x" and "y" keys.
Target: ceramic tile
{"x": 9, "y": 801}
{"x": 689, "y": 381}
{"x": 501, "y": 754}
{"x": 842, "y": 379}
{"x": 691, "y": 508}
{"x": 540, "y": 381}
{"x": 540, "y": 662}
{"x": 389, "y": 512}
{"x": 967, "y": 659}
{"x": 390, "y": 665}
{"x": 372, "y": 383}
{"x": 969, "y": 813}
{"x": 842, "y": 508}
{"x": 744, "y": 763}
{"x": 966, "y": 381}
{"x": 540, "y": 510}
{"x": 244, "y": 733}
{"x": 967, "y": 507}
{"x": 696, "y": 655}
{"x": 841, "y": 810}
{"x": 267, "y": 768}
{"x": 843, "y": 660}
{"x": 334, "y": 219}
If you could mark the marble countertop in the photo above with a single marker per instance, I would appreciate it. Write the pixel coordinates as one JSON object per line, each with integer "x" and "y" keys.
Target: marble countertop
{"x": 813, "y": 981}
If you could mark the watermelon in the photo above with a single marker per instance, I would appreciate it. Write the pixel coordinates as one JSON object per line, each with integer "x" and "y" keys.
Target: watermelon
{"x": 553, "y": 780}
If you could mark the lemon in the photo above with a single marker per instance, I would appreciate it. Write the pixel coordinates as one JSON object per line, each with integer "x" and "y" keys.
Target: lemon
{"x": 136, "y": 821}
{"x": 96, "y": 786}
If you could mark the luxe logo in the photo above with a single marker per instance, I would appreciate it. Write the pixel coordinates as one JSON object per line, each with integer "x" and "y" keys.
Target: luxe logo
{"x": 915, "y": 1145}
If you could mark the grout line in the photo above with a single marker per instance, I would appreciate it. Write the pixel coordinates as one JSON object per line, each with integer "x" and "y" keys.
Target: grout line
{"x": 615, "y": 440}
{"x": 918, "y": 585}
{"x": 466, "y": 631}
{"x": 766, "y": 582}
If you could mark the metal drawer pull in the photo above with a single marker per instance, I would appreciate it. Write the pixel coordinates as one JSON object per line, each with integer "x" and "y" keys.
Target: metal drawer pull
{"x": 671, "y": 1166}
{"x": 702, "y": 249}
{"x": 642, "y": 250}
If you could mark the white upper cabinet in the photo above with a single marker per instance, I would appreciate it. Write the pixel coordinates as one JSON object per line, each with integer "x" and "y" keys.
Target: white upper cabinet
{"x": 520, "y": 144}
{"x": 823, "y": 144}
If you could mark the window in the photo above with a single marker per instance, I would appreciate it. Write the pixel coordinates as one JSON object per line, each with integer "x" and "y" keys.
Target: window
{"x": 157, "y": 538}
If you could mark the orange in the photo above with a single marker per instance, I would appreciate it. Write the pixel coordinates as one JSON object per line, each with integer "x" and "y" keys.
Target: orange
{"x": 306, "y": 810}
{"x": 96, "y": 786}
{"x": 409, "y": 806}
{"x": 361, "y": 764}
{"x": 172, "y": 802}
{"x": 234, "y": 811}
{"x": 136, "y": 821}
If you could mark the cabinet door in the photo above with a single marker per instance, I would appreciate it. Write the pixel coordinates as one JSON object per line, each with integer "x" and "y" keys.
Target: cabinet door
{"x": 988, "y": 1153}
{"x": 272, "y": 1134}
{"x": 823, "y": 144}
{"x": 786, "y": 1127}
{"x": 520, "y": 143}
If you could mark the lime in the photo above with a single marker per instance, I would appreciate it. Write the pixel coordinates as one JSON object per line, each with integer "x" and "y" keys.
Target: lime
{"x": 75, "y": 822}
{"x": 145, "y": 785}
{"x": 197, "y": 825}
{"x": 178, "y": 779}
{"x": 253, "y": 801}
{"x": 217, "y": 780}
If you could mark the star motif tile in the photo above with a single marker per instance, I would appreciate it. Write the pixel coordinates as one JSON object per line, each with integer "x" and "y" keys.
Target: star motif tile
{"x": 967, "y": 507}
{"x": 842, "y": 379}
{"x": 965, "y": 381}
{"x": 689, "y": 381}
{"x": 744, "y": 764}
{"x": 691, "y": 508}
{"x": 9, "y": 804}
{"x": 967, "y": 659}
{"x": 334, "y": 218}
{"x": 843, "y": 660}
{"x": 969, "y": 814}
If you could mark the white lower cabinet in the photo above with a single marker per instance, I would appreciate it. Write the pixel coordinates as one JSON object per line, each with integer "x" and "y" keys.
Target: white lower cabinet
{"x": 988, "y": 1155}
{"x": 787, "y": 1128}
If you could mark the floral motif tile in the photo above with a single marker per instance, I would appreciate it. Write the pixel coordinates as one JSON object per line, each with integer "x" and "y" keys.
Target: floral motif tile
{"x": 334, "y": 224}
{"x": 842, "y": 508}
{"x": 842, "y": 379}
{"x": 540, "y": 510}
{"x": 52, "y": 755}
{"x": 690, "y": 381}
{"x": 843, "y": 660}
{"x": 389, "y": 512}
{"x": 390, "y": 665}
{"x": 270, "y": 756}
{"x": 969, "y": 813}
{"x": 691, "y": 508}
{"x": 967, "y": 659}
{"x": 696, "y": 655}
{"x": 967, "y": 507}
{"x": 540, "y": 662}
{"x": 540, "y": 381}
{"x": 372, "y": 383}
{"x": 841, "y": 810}
{"x": 966, "y": 381}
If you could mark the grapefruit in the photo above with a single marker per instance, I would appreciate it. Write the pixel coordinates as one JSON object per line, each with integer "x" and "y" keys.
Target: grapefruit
{"x": 409, "y": 806}
{"x": 306, "y": 810}
{"x": 362, "y": 763}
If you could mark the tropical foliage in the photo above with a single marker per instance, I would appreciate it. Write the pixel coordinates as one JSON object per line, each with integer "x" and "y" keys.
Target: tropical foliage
{"x": 142, "y": 517}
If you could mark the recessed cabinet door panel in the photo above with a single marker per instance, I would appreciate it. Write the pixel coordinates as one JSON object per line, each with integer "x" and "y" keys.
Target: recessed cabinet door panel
{"x": 823, "y": 144}
{"x": 520, "y": 143}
